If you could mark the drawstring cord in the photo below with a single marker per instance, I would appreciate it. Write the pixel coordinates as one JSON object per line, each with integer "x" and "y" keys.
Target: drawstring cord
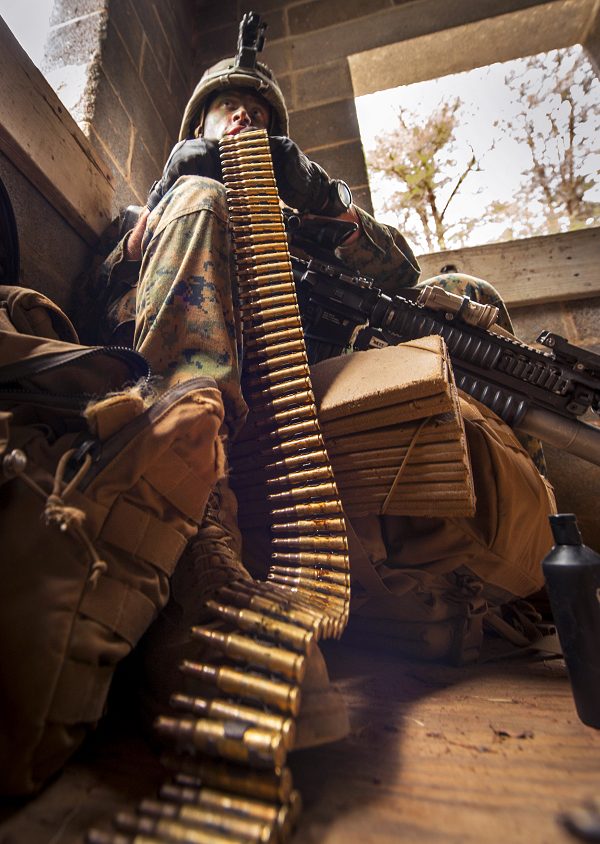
{"x": 67, "y": 517}
{"x": 402, "y": 465}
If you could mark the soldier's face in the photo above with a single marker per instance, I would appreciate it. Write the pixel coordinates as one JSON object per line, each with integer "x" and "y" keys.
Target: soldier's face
{"x": 235, "y": 111}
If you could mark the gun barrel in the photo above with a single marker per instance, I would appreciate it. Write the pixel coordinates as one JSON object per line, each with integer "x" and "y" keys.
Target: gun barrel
{"x": 570, "y": 435}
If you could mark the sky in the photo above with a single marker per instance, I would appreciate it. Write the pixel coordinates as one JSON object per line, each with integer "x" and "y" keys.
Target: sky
{"x": 28, "y": 20}
{"x": 486, "y": 99}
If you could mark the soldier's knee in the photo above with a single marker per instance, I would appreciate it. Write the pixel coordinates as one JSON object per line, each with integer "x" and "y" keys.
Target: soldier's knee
{"x": 201, "y": 192}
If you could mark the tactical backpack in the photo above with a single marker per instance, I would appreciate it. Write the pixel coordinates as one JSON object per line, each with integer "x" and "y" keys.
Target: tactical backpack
{"x": 101, "y": 486}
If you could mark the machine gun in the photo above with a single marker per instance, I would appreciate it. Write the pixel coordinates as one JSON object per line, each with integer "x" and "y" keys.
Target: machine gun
{"x": 542, "y": 393}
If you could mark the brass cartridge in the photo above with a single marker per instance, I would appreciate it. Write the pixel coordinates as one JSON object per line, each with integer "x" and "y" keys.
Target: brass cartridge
{"x": 282, "y": 696}
{"x": 252, "y": 240}
{"x": 312, "y": 508}
{"x": 296, "y": 429}
{"x": 301, "y": 398}
{"x": 285, "y": 417}
{"x": 287, "y": 382}
{"x": 260, "y": 331}
{"x": 304, "y": 493}
{"x": 261, "y": 785}
{"x": 310, "y": 526}
{"x": 283, "y": 610}
{"x": 162, "y": 830}
{"x": 281, "y": 816}
{"x": 206, "y": 817}
{"x": 267, "y": 306}
{"x": 272, "y": 658}
{"x": 287, "y": 602}
{"x": 301, "y": 476}
{"x": 298, "y": 460}
{"x": 231, "y": 740}
{"x": 312, "y": 584}
{"x": 340, "y": 562}
{"x": 328, "y": 577}
{"x": 336, "y": 542}
{"x": 227, "y": 710}
{"x": 263, "y": 625}
{"x": 260, "y": 342}
{"x": 280, "y": 362}
{"x": 308, "y": 443}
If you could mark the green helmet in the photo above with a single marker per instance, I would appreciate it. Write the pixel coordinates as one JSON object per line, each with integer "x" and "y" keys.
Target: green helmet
{"x": 227, "y": 74}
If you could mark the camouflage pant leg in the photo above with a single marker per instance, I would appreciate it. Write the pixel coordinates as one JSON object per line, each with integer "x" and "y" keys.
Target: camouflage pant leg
{"x": 187, "y": 321}
{"x": 482, "y": 291}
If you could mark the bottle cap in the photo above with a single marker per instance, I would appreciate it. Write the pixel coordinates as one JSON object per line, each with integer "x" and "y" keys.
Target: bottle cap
{"x": 565, "y": 530}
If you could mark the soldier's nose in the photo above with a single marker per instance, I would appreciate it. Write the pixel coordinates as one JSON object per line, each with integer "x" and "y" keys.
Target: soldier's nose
{"x": 241, "y": 115}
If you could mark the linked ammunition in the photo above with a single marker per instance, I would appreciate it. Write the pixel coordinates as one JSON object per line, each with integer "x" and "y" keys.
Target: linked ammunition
{"x": 330, "y": 591}
{"x": 227, "y": 710}
{"x": 312, "y": 526}
{"x": 341, "y": 578}
{"x": 271, "y": 658}
{"x": 260, "y": 344}
{"x": 271, "y": 786}
{"x": 281, "y": 608}
{"x": 211, "y": 818}
{"x": 305, "y": 493}
{"x": 307, "y": 574}
{"x": 263, "y": 625}
{"x": 294, "y": 445}
{"x": 296, "y": 460}
{"x": 285, "y": 417}
{"x": 282, "y": 696}
{"x": 302, "y": 476}
{"x": 231, "y": 740}
{"x": 282, "y": 817}
{"x": 312, "y": 543}
{"x": 169, "y": 830}
{"x": 273, "y": 389}
{"x": 340, "y": 562}
{"x": 282, "y": 361}
{"x": 294, "y": 429}
{"x": 287, "y": 603}
{"x": 310, "y": 508}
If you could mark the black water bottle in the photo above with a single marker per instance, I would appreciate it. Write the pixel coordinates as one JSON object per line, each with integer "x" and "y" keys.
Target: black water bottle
{"x": 572, "y": 572}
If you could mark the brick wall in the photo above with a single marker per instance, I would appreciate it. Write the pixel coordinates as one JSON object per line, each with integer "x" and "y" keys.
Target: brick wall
{"x": 138, "y": 56}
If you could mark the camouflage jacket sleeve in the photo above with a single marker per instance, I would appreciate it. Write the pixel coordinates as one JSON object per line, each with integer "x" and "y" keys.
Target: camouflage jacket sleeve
{"x": 381, "y": 253}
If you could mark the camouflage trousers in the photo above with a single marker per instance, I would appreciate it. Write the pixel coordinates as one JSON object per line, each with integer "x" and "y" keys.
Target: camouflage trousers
{"x": 187, "y": 319}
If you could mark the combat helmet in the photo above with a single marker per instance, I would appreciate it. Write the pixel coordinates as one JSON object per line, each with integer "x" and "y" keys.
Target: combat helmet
{"x": 228, "y": 73}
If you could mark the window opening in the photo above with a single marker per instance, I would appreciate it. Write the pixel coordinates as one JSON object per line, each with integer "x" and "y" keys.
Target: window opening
{"x": 29, "y": 22}
{"x": 500, "y": 152}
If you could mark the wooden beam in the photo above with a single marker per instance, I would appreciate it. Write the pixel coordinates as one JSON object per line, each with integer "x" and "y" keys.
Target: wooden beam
{"x": 553, "y": 268}
{"x": 43, "y": 141}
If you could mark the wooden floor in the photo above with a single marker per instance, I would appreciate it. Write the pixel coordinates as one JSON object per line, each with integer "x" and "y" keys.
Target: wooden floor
{"x": 491, "y": 753}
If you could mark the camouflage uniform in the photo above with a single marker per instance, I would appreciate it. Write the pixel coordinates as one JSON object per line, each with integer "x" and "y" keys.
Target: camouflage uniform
{"x": 182, "y": 315}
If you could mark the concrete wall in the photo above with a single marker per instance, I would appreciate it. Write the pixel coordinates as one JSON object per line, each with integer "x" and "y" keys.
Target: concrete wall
{"x": 52, "y": 253}
{"x": 138, "y": 64}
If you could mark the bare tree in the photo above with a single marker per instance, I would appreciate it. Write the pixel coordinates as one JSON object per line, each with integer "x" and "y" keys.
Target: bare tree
{"x": 558, "y": 120}
{"x": 419, "y": 156}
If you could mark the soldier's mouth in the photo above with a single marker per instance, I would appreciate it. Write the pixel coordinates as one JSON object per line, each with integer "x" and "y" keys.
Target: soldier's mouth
{"x": 237, "y": 129}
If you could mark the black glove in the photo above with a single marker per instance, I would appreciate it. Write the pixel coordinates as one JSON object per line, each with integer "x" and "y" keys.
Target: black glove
{"x": 302, "y": 183}
{"x": 195, "y": 157}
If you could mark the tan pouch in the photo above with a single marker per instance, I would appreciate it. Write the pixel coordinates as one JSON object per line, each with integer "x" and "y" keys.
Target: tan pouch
{"x": 97, "y": 502}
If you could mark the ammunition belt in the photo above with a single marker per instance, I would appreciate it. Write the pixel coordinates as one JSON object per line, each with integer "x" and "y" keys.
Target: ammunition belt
{"x": 230, "y": 781}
